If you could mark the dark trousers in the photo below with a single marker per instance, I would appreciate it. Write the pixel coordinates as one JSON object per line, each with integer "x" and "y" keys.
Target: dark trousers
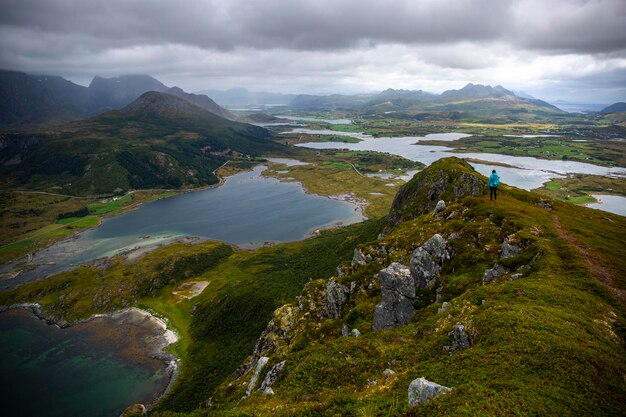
{"x": 493, "y": 193}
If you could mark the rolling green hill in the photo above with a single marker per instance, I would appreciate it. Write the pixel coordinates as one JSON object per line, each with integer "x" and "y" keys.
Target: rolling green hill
{"x": 158, "y": 141}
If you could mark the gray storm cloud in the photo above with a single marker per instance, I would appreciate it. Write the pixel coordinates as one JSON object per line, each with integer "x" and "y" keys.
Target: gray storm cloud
{"x": 574, "y": 26}
{"x": 238, "y": 40}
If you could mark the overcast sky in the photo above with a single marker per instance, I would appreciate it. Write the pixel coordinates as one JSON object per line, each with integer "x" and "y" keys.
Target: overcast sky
{"x": 553, "y": 49}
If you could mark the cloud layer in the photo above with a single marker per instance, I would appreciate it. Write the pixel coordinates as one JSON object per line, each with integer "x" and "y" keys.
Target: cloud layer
{"x": 556, "y": 47}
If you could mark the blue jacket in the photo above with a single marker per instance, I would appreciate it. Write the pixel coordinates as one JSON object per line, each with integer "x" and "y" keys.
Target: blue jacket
{"x": 494, "y": 180}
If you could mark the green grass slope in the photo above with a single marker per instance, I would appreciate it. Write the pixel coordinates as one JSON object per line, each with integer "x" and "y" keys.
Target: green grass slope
{"x": 158, "y": 141}
{"x": 549, "y": 342}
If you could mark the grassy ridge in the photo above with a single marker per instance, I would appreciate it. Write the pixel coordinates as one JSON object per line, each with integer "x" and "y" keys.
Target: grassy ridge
{"x": 548, "y": 343}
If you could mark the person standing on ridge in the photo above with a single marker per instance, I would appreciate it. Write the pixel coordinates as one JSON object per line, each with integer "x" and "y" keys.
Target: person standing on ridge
{"x": 494, "y": 182}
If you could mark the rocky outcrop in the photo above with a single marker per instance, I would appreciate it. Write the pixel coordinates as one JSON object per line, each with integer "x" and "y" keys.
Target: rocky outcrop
{"x": 358, "y": 258}
{"x": 336, "y": 296}
{"x": 426, "y": 261}
{"x": 398, "y": 293}
{"x": 257, "y": 371}
{"x": 441, "y": 206}
{"x": 421, "y": 390}
{"x": 448, "y": 179}
{"x": 271, "y": 377}
{"x": 509, "y": 250}
{"x": 493, "y": 273}
{"x": 459, "y": 338}
{"x": 276, "y": 336}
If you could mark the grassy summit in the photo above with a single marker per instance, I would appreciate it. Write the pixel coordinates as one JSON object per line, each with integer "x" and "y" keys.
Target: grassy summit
{"x": 549, "y": 341}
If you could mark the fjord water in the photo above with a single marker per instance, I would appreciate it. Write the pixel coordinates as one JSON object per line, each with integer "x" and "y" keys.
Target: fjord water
{"x": 248, "y": 210}
{"x": 525, "y": 172}
{"x": 94, "y": 369}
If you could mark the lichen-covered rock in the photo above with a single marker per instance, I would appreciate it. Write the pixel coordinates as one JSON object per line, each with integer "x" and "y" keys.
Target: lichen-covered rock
{"x": 388, "y": 373}
{"x": 444, "y": 307}
{"x": 271, "y": 377}
{"x": 275, "y": 338}
{"x": 421, "y": 390}
{"x": 355, "y": 333}
{"x": 441, "y": 206}
{"x": 495, "y": 272}
{"x": 336, "y": 296}
{"x": 426, "y": 261}
{"x": 459, "y": 338}
{"x": 358, "y": 258}
{"x": 509, "y": 250}
{"x": 398, "y": 294}
{"x": 515, "y": 276}
{"x": 345, "y": 330}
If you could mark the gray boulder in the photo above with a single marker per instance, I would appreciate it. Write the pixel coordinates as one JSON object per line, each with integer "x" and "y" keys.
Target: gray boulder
{"x": 508, "y": 250}
{"x": 441, "y": 206}
{"x": 336, "y": 297}
{"x": 398, "y": 293}
{"x": 358, "y": 258}
{"x": 271, "y": 377}
{"x": 426, "y": 261}
{"x": 421, "y": 390}
{"x": 355, "y": 333}
{"x": 495, "y": 272}
{"x": 345, "y": 331}
{"x": 515, "y": 276}
{"x": 444, "y": 307}
{"x": 388, "y": 373}
{"x": 459, "y": 338}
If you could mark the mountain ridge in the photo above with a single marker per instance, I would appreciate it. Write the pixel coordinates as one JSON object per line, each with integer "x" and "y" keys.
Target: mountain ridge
{"x": 472, "y": 100}
{"x": 44, "y": 99}
{"x": 157, "y": 141}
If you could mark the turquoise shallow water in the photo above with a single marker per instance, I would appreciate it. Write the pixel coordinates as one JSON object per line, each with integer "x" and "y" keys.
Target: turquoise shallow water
{"x": 46, "y": 371}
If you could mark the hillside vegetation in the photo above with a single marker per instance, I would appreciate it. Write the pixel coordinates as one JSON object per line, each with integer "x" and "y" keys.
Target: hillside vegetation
{"x": 516, "y": 304}
{"x": 158, "y": 141}
{"x": 538, "y": 295}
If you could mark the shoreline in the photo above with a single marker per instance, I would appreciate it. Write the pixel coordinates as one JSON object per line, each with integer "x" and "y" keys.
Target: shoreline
{"x": 167, "y": 337}
{"x": 49, "y": 255}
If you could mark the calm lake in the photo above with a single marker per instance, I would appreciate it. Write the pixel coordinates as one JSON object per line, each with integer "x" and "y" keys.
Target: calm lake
{"x": 526, "y": 172}
{"x": 247, "y": 210}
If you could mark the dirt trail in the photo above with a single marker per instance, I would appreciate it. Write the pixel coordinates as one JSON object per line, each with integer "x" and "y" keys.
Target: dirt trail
{"x": 595, "y": 265}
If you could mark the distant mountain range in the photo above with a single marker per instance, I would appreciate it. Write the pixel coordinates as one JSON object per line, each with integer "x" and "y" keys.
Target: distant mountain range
{"x": 473, "y": 100}
{"x": 39, "y": 99}
{"x": 614, "y": 108}
{"x": 157, "y": 141}
{"x": 243, "y": 97}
